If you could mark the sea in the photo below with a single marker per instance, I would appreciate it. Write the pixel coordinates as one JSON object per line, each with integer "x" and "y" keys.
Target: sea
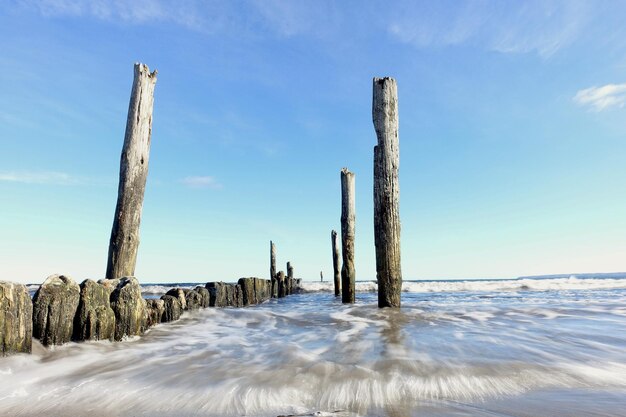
{"x": 549, "y": 346}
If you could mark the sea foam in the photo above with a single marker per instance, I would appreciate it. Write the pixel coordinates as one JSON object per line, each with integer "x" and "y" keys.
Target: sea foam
{"x": 505, "y": 285}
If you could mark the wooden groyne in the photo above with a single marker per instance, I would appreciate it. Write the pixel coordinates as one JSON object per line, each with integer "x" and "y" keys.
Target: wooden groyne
{"x": 62, "y": 311}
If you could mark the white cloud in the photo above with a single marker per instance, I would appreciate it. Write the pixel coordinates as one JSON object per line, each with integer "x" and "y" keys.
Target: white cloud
{"x": 40, "y": 177}
{"x": 602, "y": 98}
{"x": 201, "y": 182}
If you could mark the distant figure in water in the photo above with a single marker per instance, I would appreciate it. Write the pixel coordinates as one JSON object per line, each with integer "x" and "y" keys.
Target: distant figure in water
{"x": 321, "y": 277}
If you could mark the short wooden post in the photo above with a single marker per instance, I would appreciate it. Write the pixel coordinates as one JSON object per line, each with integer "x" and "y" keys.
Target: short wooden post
{"x": 124, "y": 240}
{"x": 280, "y": 280}
{"x": 387, "y": 192}
{"x": 348, "y": 217}
{"x": 336, "y": 267}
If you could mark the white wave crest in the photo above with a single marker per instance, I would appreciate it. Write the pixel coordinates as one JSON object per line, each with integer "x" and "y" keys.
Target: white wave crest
{"x": 525, "y": 284}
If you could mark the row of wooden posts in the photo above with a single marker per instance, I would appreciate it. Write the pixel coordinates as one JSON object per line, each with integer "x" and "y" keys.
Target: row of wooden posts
{"x": 386, "y": 206}
{"x": 112, "y": 309}
{"x": 280, "y": 275}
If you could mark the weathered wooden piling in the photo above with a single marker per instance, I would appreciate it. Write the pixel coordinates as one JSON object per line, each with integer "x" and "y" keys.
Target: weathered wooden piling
{"x": 204, "y": 296}
{"x": 154, "y": 312}
{"x": 16, "y": 319}
{"x": 217, "y": 292}
{"x": 280, "y": 279}
{"x": 129, "y": 308}
{"x": 193, "y": 299}
{"x": 262, "y": 289}
{"x": 273, "y": 269}
{"x": 54, "y": 306}
{"x": 172, "y": 309}
{"x": 235, "y": 295}
{"x": 248, "y": 291}
{"x": 348, "y": 218}
{"x": 180, "y": 294}
{"x": 94, "y": 319}
{"x": 289, "y": 280}
{"x": 124, "y": 240}
{"x": 387, "y": 192}
{"x": 336, "y": 266}
{"x": 272, "y": 260}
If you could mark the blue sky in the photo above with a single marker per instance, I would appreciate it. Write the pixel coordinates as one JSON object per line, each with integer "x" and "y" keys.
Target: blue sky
{"x": 512, "y": 134}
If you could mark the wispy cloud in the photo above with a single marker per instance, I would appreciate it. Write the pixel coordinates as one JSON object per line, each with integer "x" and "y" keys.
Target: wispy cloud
{"x": 40, "y": 177}
{"x": 285, "y": 19}
{"x": 542, "y": 27}
{"x": 291, "y": 18}
{"x": 184, "y": 13}
{"x": 201, "y": 182}
{"x": 534, "y": 26}
{"x": 602, "y": 98}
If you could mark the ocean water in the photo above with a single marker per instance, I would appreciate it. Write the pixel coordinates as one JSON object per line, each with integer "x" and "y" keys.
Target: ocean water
{"x": 529, "y": 347}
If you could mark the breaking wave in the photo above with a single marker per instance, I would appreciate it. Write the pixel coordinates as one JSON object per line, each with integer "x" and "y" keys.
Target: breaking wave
{"x": 521, "y": 284}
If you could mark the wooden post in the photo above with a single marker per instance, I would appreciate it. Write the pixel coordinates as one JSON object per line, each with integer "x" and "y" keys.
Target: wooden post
{"x": 124, "y": 240}
{"x": 348, "y": 217}
{"x": 289, "y": 280}
{"x": 280, "y": 280}
{"x": 272, "y": 261}
{"x": 387, "y": 192}
{"x": 337, "y": 274}
{"x": 274, "y": 284}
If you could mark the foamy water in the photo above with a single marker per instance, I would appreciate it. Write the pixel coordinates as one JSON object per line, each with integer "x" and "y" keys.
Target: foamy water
{"x": 528, "y": 284}
{"x": 455, "y": 348}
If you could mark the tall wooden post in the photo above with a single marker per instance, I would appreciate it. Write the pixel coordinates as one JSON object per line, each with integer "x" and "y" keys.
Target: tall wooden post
{"x": 387, "y": 192}
{"x": 124, "y": 240}
{"x": 273, "y": 269}
{"x": 289, "y": 279}
{"x": 336, "y": 267}
{"x": 348, "y": 218}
